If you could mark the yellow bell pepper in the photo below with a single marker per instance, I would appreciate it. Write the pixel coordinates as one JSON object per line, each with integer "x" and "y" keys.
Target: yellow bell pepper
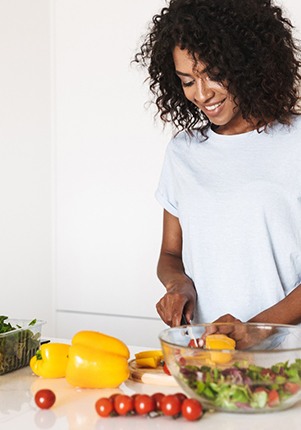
{"x": 101, "y": 341}
{"x": 157, "y": 353}
{"x": 97, "y": 360}
{"x": 50, "y": 361}
{"x": 220, "y": 341}
{"x": 150, "y": 358}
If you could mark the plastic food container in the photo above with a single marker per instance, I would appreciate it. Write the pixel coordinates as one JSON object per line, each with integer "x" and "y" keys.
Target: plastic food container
{"x": 19, "y": 345}
{"x": 262, "y": 373}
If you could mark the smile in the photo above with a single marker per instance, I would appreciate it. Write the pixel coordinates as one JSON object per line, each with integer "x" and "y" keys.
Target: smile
{"x": 213, "y": 107}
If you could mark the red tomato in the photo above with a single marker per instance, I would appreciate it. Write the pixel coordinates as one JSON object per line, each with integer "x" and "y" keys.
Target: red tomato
{"x": 273, "y": 398}
{"x": 104, "y": 407}
{"x": 134, "y": 397}
{"x": 157, "y": 398}
{"x": 44, "y": 398}
{"x": 192, "y": 409}
{"x": 144, "y": 404}
{"x": 112, "y": 396}
{"x": 166, "y": 370}
{"x": 181, "y": 397}
{"x": 123, "y": 404}
{"x": 171, "y": 405}
{"x": 199, "y": 343}
{"x": 291, "y": 387}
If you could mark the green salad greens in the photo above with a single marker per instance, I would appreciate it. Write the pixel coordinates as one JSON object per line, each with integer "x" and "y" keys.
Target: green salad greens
{"x": 17, "y": 345}
{"x": 244, "y": 386}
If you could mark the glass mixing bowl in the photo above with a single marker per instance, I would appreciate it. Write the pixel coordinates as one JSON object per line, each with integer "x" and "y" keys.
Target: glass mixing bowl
{"x": 262, "y": 373}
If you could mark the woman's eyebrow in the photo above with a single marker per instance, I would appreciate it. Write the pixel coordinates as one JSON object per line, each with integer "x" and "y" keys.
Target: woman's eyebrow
{"x": 182, "y": 73}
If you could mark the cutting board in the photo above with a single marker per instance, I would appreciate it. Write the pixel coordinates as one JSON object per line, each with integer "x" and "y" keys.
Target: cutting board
{"x": 150, "y": 376}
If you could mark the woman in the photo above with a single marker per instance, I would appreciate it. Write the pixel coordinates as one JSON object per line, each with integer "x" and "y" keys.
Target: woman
{"x": 226, "y": 74}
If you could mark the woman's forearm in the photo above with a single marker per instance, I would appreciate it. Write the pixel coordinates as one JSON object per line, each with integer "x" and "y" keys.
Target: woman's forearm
{"x": 171, "y": 272}
{"x": 287, "y": 311}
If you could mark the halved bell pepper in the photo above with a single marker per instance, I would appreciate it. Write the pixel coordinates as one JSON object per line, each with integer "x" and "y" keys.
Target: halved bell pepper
{"x": 150, "y": 358}
{"x": 97, "y": 360}
{"x": 50, "y": 361}
{"x": 220, "y": 341}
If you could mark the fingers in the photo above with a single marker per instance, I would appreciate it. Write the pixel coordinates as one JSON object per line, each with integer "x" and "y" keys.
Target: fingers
{"x": 189, "y": 311}
{"x": 227, "y": 318}
{"x": 233, "y": 327}
{"x": 167, "y": 313}
{"x": 172, "y": 306}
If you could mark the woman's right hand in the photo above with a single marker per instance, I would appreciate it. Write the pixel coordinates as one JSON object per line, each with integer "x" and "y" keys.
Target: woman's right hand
{"x": 180, "y": 296}
{"x": 179, "y": 299}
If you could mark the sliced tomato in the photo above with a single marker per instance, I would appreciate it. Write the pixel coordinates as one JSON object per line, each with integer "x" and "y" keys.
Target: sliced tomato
{"x": 273, "y": 398}
{"x": 165, "y": 368}
{"x": 192, "y": 343}
{"x": 291, "y": 387}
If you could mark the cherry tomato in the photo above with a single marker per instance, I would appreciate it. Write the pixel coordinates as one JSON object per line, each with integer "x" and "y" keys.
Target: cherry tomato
{"x": 157, "y": 398}
{"x": 171, "y": 405}
{"x": 165, "y": 369}
{"x": 199, "y": 343}
{"x": 134, "y": 397}
{"x": 112, "y": 396}
{"x": 44, "y": 398}
{"x": 144, "y": 404}
{"x": 181, "y": 397}
{"x": 123, "y": 404}
{"x": 192, "y": 409}
{"x": 104, "y": 407}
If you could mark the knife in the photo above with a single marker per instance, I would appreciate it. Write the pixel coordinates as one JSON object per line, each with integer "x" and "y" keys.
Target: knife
{"x": 189, "y": 330}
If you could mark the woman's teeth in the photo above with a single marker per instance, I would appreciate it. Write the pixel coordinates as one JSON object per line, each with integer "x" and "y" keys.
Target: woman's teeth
{"x": 212, "y": 107}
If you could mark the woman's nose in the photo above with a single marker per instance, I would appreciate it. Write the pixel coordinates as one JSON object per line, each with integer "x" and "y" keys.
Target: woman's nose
{"x": 204, "y": 92}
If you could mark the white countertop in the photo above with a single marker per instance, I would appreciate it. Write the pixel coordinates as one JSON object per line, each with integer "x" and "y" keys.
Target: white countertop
{"x": 74, "y": 408}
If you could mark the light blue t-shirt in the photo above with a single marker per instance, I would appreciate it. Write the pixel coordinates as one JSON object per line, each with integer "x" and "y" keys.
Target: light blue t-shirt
{"x": 238, "y": 200}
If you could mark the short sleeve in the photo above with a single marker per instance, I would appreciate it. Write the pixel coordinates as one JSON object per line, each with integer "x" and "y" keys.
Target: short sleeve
{"x": 166, "y": 191}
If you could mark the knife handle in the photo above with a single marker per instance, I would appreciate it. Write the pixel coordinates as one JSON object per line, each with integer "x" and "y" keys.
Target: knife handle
{"x": 184, "y": 320}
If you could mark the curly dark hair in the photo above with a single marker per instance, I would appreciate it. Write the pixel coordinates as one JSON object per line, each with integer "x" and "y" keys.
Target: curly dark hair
{"x": 249, "y": 42}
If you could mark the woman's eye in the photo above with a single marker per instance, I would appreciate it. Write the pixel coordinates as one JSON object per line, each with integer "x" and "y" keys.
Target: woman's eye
{"x": 187, "y": 84}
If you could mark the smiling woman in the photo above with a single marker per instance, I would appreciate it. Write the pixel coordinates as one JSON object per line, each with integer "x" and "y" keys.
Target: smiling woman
{"x": 209, "y": 94}
{"x": 231, "y": 183}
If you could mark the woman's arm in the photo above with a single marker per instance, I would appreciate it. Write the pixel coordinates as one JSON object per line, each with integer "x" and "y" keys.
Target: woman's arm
{"x": 180, "y": 292}
{"x": 287, "y": 311}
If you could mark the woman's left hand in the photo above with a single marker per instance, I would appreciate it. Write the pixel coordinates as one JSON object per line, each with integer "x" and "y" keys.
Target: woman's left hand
{"x": 244, "y": 335}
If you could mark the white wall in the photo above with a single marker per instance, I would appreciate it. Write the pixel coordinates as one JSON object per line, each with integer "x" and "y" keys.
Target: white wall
{"x": 80, "y": 159}
{"x": 108, "y": 158}
{"x": 25, "y": 161}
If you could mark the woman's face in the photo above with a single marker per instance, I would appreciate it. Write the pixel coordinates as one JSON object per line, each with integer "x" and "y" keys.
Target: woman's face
{"x": 211, "y": 97}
